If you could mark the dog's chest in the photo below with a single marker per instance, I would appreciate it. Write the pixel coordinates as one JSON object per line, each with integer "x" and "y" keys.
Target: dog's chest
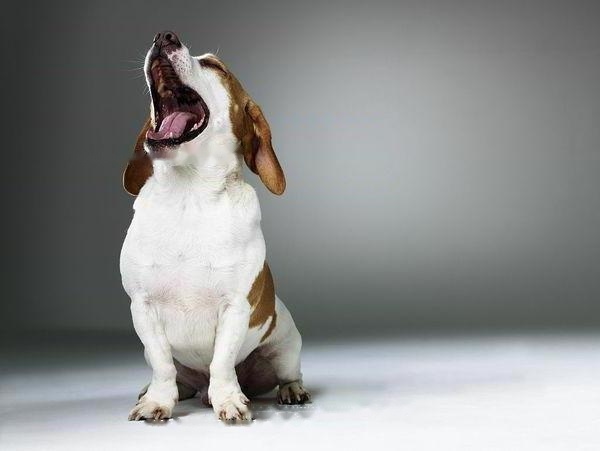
{"x": 190, "y": 251}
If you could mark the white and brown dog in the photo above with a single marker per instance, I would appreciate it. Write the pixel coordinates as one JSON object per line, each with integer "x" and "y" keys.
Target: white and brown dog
{"x": 193, "y": 262}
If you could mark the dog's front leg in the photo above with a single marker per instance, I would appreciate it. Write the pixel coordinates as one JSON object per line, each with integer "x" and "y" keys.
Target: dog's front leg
{"x": 224, "y": 392}
{"x": 158, "y": 401}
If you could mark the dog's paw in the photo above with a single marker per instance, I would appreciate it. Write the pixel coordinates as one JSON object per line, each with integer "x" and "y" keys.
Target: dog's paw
{"x": 233, "y": 410}
{"x": 146, "y": 409}
{"x": 229, "y": 403}
{"x": 156, "y": 403}
{"x": 293, "y": 393}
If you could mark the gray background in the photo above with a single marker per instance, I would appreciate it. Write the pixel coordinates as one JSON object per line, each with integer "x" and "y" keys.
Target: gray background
{"x": 442, "y": 158}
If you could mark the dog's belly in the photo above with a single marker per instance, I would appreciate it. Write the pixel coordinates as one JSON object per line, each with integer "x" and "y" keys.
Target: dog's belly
{"x": 191, "y": 330}
{"x": 191, "y": 333}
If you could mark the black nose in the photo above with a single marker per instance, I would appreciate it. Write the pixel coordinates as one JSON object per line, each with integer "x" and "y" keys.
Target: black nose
{"x": 167, "y": 39}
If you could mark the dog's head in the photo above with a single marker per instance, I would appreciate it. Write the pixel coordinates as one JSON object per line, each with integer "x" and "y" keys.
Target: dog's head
{"x": 199, "y": 114}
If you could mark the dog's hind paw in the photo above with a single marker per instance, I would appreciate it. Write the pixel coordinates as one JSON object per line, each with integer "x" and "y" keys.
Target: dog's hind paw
{"x": 292, "y": 393}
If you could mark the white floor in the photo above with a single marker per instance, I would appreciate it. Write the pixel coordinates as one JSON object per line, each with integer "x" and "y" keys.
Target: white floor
{"x": 503, "y": 393}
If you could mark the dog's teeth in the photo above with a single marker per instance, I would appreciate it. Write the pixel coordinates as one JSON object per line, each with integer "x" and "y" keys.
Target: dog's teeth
{"x": 195, "y": 127}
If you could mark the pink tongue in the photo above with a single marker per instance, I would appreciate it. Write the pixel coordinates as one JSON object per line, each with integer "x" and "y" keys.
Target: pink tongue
{"x": 172, "y": 126}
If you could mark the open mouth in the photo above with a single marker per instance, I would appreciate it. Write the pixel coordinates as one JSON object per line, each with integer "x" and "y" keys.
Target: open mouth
{"x": 179, "y": 111}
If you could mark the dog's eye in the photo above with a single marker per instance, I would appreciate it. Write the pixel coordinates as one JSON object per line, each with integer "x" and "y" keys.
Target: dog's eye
{"x": 213, "y": 64}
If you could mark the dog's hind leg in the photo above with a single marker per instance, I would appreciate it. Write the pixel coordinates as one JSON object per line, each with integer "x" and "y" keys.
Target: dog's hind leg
{"x": 185, "y": 391}
{"x": 188, "y": 381}
{"x": 256, "y": 375}
{"x": 282, "y": 348}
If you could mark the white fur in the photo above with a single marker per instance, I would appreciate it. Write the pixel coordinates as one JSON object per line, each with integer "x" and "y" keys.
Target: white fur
{"x": 191, "y": 254}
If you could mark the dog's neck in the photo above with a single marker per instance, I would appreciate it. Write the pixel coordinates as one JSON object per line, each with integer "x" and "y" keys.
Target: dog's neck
{"x": 208, "y": 176}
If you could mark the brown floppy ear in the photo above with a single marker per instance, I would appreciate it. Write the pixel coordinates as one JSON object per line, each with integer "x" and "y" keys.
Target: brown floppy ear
{"x": 139, "y": 168}
{"x": 259, "y": 154}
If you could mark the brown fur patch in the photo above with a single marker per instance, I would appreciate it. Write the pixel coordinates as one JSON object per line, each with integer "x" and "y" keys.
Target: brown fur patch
{"x": 271, "y": 327}
{"x": 262, "y": 300}
{"x": 251, "y": 128}
{"x": 139, "y": 168}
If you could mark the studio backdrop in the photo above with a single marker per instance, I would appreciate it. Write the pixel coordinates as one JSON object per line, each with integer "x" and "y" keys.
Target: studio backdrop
{"x": 442, "y": 158}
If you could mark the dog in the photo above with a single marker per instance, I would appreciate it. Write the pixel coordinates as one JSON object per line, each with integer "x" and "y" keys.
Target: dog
{"x": 193, "y": 261}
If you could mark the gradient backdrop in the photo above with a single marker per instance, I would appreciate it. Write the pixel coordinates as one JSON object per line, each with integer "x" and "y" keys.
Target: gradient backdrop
{"x": 442, "y": 158}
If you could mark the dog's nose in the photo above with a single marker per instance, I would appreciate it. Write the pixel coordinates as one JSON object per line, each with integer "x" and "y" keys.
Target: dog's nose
{"x": 166, "y": 39}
